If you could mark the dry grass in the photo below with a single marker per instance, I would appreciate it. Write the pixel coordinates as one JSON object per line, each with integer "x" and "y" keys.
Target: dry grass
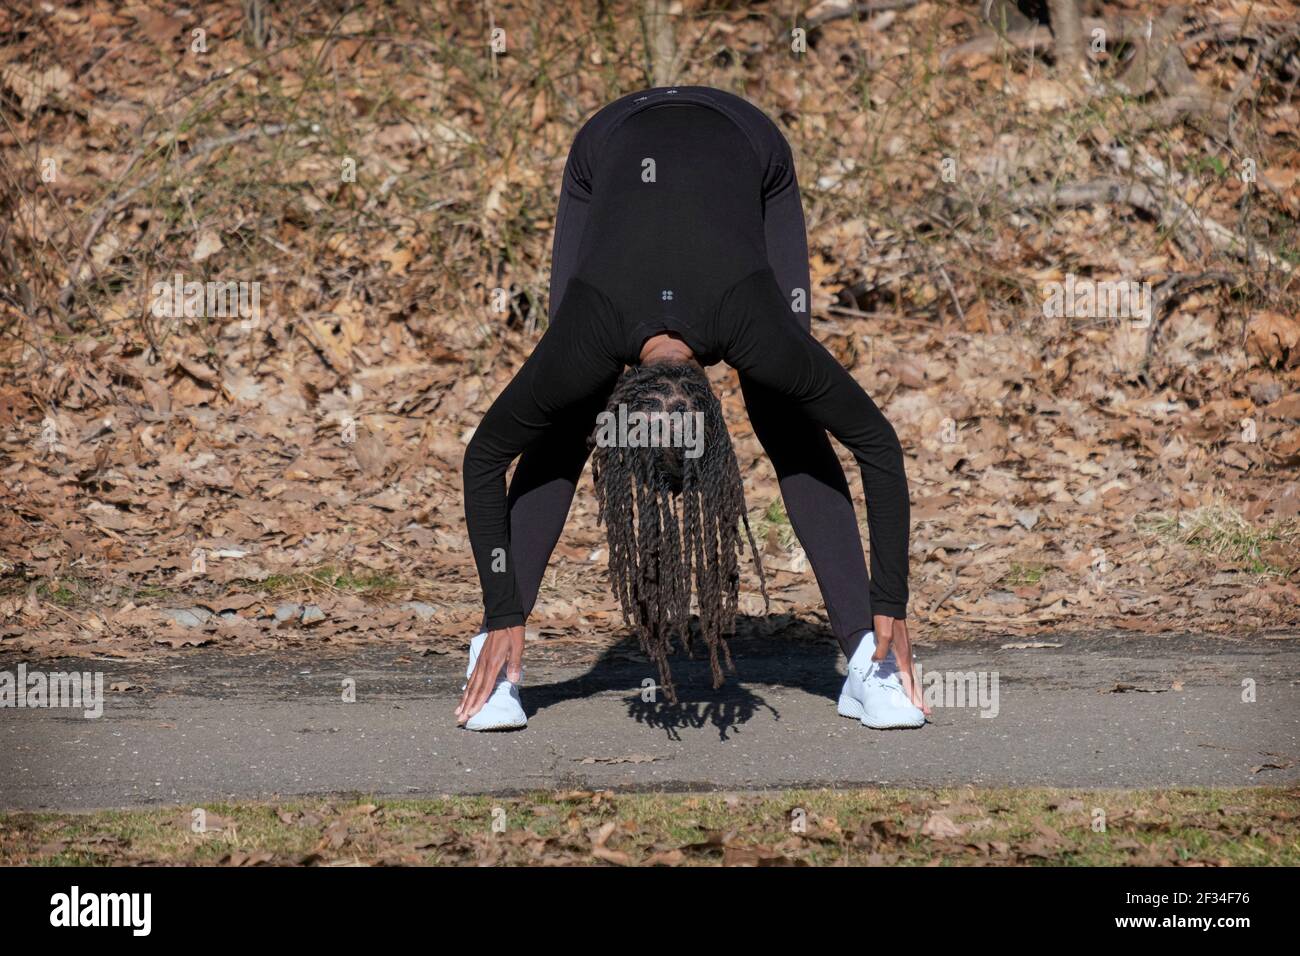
{"x": 1228, "y": 539}
{"x": 1250, "y": 827}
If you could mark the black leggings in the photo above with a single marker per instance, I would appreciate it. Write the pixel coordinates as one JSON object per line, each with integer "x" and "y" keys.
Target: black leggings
{"x": 813, "y": 485}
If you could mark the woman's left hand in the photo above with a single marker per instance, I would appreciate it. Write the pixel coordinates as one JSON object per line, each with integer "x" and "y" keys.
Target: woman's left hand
{"x": 891, "y": 634}
{"x": 503, "y": 650}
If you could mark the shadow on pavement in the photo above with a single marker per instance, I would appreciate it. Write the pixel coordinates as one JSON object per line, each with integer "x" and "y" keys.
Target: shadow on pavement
{"x": 774, "y": 650}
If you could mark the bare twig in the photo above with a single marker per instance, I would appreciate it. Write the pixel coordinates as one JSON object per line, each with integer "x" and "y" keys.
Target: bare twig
{"x": 1038, "y": 39}
{"x": 117, "y": 201}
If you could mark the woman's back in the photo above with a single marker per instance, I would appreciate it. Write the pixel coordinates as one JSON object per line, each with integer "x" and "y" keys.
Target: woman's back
{"x": 676, "y": 213}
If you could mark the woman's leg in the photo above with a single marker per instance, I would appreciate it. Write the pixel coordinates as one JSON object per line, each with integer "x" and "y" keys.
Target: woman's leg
{"x": 540, "y": 494}
{"x": 813, "y": 486}
{"x": 817, "y": 499}
{"x": 542, "y": 487}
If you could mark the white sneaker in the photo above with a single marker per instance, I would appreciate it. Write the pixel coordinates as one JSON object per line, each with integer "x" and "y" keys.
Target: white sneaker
{"x": 503, "y": 710}
{"x": 873, "y": 693}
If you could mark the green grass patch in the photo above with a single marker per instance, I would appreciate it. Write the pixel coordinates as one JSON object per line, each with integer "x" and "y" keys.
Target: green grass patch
{"x": 1227, "y": 537}
{"x": 75, "y": 592}
{"x": 775, "y": 513}
{"x": 61, "y": 593}
{"x": 1024, "y": 574}
{"x": 773, "y": 523}
{"x": 64, "y": 591}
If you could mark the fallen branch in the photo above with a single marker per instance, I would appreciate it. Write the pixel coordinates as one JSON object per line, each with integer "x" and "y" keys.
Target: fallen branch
{"x": 1172, "y": 213}
{"x": 1107, "y": 191}
{"x": 830, "y": 10}
{"x": 1221, "y": 238}
{"x": 1039, "y": 39}
{"x": 1191, "y": 104}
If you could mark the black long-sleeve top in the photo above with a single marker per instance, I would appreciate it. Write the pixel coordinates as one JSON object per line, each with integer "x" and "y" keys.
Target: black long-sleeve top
{"x": 674, "y": 201}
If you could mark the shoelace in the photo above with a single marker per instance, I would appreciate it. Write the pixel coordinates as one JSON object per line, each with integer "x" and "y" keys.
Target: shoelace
{"x": 880, "y": 672}
{"x": 877, "y": 672}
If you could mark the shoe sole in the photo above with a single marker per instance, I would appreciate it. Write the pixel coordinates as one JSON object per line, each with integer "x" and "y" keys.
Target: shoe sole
{"x": 512, "y": 724}
{"x": 852, "y": 707}
{"x": 491, "y": 727}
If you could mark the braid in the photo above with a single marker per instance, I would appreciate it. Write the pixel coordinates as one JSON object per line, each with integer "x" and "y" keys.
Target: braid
{"x": 673, "y": 521}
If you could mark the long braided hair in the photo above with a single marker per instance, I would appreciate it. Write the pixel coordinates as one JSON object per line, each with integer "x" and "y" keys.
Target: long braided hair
{"x": 673, "y": 519}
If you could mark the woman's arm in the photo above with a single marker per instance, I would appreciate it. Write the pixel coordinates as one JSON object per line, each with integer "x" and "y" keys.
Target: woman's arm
{"x": 784, "y": 231}
{"x": 574, "y": 360}
{"x": 571, "y": 215}
{"x": 760, "y": 340}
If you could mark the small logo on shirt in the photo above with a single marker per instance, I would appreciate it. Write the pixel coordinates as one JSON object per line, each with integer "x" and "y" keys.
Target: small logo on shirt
{"x": 666, "y": 295}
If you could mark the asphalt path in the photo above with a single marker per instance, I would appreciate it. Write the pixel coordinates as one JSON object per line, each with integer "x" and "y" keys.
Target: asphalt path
{"x": 1098, "y": 711}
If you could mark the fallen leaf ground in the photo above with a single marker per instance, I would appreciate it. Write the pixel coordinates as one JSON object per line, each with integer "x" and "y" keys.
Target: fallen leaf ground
{"x": 294, "y": 482}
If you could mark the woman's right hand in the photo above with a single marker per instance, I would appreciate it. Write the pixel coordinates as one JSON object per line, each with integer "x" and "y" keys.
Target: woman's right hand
{"x": 891, "y": 634}
{"x": 503, "y": 648}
